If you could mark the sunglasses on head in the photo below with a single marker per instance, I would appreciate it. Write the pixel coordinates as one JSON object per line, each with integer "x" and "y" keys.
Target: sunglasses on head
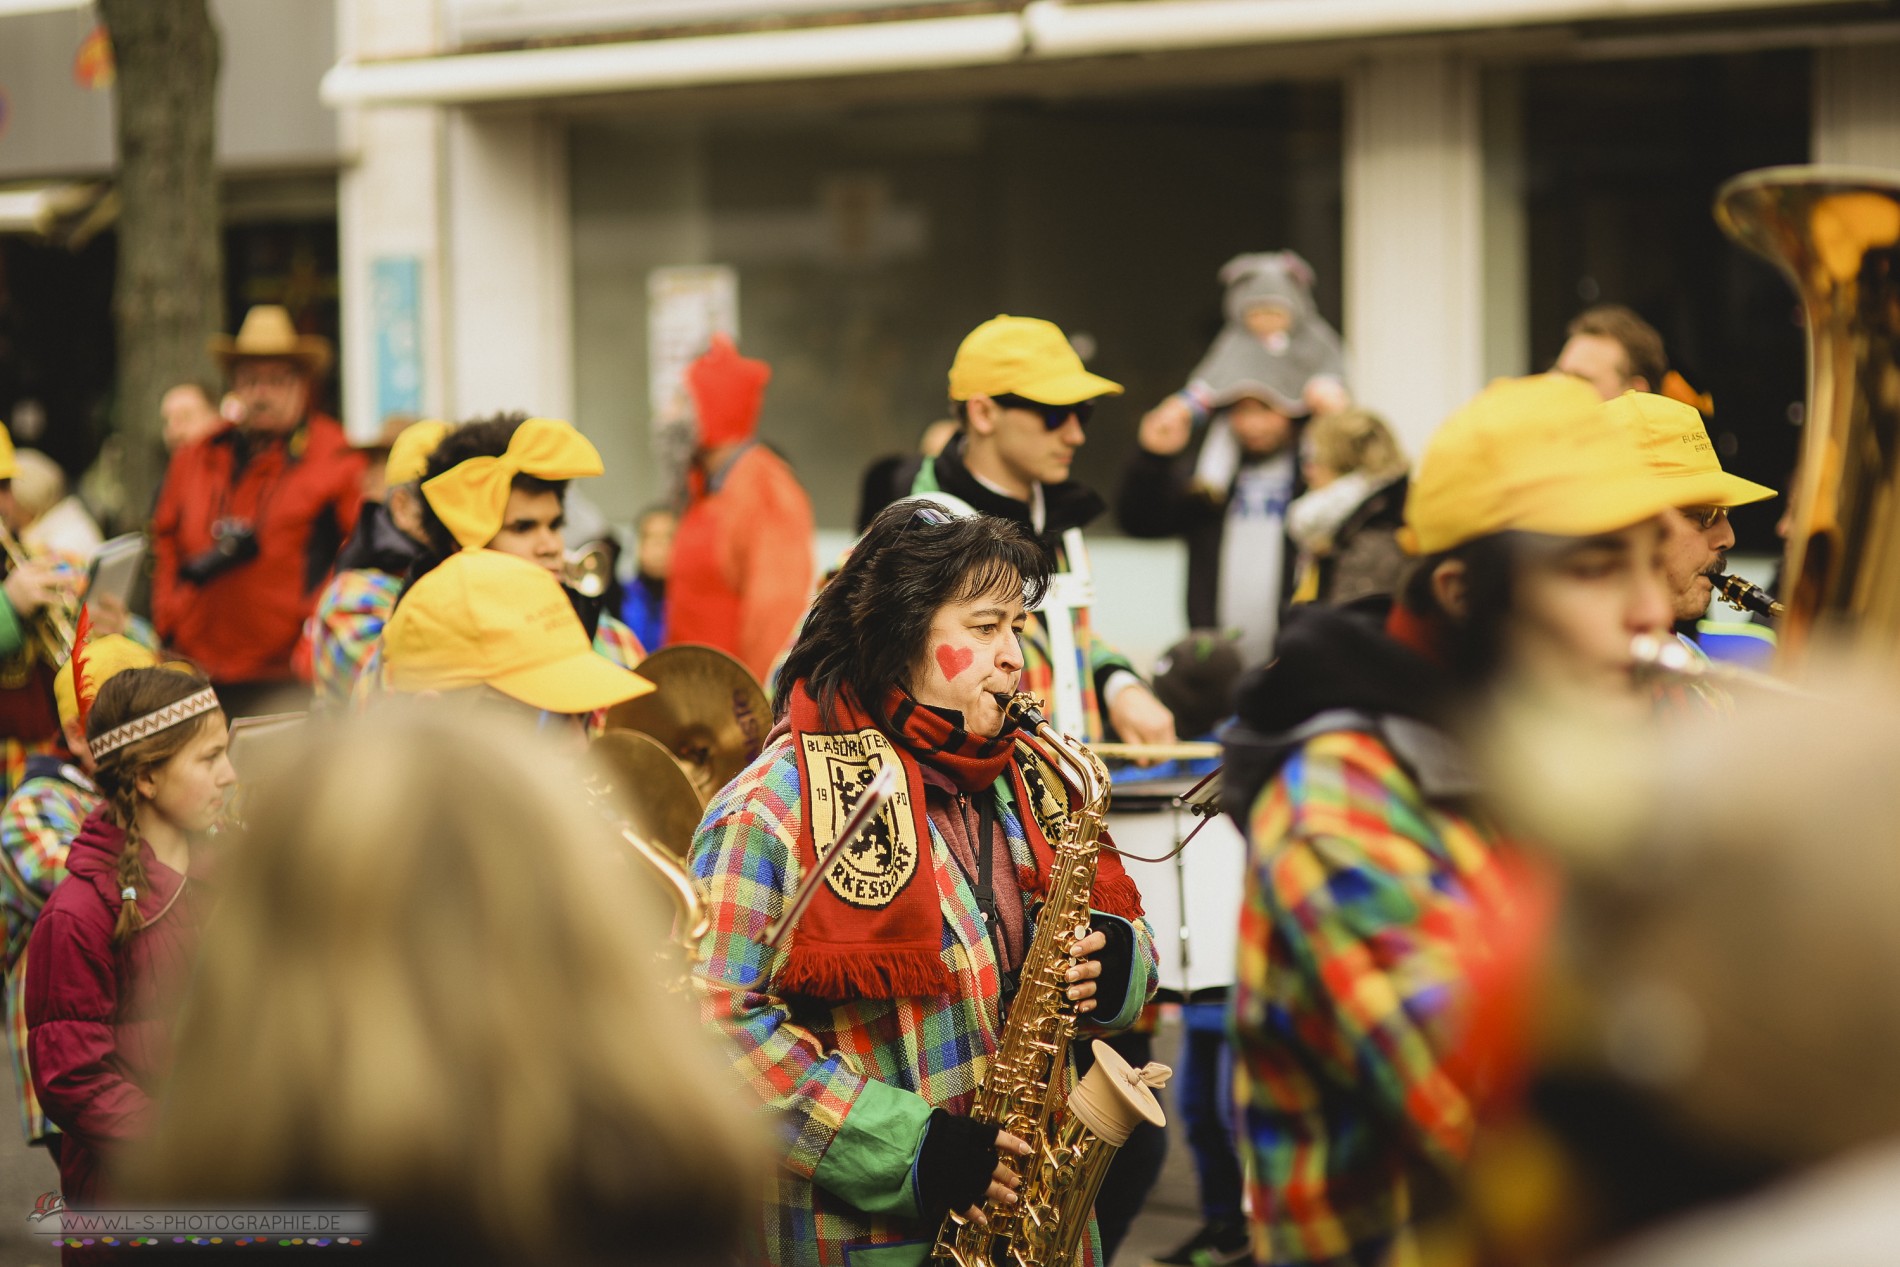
{"x": 929, "y": 514}
{"x": 1053, "y": 416}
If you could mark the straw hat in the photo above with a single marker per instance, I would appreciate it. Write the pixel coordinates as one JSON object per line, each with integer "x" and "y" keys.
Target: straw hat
{"x": 267, "y": 333}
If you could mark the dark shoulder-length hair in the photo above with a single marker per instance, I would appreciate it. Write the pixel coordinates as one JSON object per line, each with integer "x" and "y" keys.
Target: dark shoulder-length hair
{"x": 869, "y": 625}
{"x": 1473, "y": 645}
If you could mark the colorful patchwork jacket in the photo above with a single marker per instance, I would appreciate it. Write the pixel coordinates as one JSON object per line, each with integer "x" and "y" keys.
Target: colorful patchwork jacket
{"x": 36, "y": 830}
{"x": 851, "y": 1085}
{"x": 346, "y": 626}
{"x": 1369, "y": 875}
{"x": 1357, "y": 890}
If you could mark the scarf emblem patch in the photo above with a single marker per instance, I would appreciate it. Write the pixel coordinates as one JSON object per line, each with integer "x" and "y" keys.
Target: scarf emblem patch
{"x": 873, "y": 872}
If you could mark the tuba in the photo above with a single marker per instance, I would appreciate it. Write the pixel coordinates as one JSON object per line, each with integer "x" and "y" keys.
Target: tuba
{"x": 1072, "y": 1135}
{"x": 641, "y": 790}
{"x": 664, "y": 754}
{"x": 1835, "y": 233}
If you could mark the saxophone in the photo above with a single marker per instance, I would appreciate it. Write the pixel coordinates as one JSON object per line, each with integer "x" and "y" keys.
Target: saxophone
{"x": 1072, "y": 1136}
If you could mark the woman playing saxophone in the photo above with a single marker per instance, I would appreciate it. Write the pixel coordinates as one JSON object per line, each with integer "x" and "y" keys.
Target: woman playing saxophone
{"x": 870, "y": 1031}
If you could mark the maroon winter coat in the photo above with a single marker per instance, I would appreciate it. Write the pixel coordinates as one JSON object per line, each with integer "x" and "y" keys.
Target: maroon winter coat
{"x": 99, "y": 1018}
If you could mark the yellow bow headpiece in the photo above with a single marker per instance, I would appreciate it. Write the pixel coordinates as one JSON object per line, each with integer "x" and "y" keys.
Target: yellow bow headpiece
{"x": 471, "y": 498}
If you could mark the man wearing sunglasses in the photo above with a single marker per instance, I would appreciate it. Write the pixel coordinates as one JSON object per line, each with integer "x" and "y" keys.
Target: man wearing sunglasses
{"x": 1697, "y": 535}
{"x": 1024, "y": 400}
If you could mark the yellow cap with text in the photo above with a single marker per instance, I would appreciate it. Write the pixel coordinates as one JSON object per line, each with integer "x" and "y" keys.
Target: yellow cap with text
{"x": 484, "y": 618}
{"x": 1676, "y": 445}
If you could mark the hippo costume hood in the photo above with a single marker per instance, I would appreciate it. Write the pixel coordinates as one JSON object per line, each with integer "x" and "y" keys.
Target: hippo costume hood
{"x": 1240, "y": 363}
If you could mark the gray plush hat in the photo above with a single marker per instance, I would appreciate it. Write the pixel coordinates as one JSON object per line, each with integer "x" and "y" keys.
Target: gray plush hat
{"x": 1278, "y": 278}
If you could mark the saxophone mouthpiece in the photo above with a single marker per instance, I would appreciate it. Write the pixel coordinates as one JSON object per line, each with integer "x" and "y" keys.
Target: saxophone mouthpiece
{"x": 1744, "y": 597}
{"x": 1022, "y": 710}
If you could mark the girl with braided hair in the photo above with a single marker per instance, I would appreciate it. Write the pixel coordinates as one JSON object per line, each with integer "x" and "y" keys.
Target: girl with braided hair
{"x": 112, "y": 952}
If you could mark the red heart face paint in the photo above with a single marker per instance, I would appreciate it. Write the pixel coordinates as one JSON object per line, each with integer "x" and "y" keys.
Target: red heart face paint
{"x": 953, "y": 660}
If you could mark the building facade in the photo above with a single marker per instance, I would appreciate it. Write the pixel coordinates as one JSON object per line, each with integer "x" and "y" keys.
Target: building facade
{"x": 862, "y": 183}
{"x": 278, "y": 154}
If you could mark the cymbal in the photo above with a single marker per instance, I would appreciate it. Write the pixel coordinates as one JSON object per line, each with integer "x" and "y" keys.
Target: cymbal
{"x": 708, "y": 712}
{"x": 654, "y": 788}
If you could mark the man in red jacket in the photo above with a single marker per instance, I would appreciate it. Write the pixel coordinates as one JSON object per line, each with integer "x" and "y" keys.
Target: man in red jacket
{"x": 251, "y": 517}
{"x": 742, "y": 555}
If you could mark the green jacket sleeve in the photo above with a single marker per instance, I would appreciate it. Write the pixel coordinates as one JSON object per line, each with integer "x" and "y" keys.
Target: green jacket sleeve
{"x": 870, "y": 1159}
{"x": 12, "y": 630}
{"x": 1141, "y": 974}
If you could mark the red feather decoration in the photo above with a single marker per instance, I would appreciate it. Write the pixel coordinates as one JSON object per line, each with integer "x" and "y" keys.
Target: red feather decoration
{"x": 82, "y": 632}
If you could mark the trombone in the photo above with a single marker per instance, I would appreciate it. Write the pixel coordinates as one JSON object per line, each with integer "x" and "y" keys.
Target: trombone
{"x": 54, "y": 628}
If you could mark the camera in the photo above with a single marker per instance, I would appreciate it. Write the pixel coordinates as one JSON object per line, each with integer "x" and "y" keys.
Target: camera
{"x": 233, "y": 543}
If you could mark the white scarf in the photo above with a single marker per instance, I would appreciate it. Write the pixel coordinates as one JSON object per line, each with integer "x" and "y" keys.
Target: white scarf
{"x": 1315, "y": 517}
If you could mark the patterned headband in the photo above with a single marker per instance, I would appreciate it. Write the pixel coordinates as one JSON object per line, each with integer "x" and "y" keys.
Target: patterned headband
{"x": 138, "y": 728}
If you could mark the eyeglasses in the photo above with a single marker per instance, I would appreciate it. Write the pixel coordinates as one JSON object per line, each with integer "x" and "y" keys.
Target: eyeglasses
{"x": 1053, "y": 416}
{"x": 1704, "y": 517}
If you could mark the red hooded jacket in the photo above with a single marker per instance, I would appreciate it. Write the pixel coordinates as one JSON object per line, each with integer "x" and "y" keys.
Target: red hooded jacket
{"x": 99, "y": 1017}
{"x": 742, "y": 561}
{"x": 302, "y": 497}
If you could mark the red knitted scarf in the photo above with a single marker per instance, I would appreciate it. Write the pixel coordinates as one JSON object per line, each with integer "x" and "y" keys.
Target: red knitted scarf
{"x": 875, "y": 928}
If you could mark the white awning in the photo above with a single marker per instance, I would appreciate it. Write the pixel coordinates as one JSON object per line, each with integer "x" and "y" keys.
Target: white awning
{"x": 583, "y": 69}
{"x": 1057, "y": 29}
{"x": 1044, "y": 29}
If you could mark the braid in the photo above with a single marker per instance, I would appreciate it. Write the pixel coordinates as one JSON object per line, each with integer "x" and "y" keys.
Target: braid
{"x": 123, "y": 698}
{"x": 131, "y": 869}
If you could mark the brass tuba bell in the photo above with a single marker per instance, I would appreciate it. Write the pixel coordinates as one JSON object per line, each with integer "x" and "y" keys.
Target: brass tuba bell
{"x": 1835, "y": 233}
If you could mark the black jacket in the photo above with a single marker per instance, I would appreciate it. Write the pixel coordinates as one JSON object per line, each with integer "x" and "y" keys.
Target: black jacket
{"x": 1159, "y": 498}
{"x": 1066, "y": 505}
{"x": 378, "y": 544}
{"x": 1366, "y": 557}
{"x": 1336, "y": 668}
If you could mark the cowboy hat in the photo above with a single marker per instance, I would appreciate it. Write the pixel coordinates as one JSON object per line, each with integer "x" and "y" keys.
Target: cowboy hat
{"x": 267, "y": 333}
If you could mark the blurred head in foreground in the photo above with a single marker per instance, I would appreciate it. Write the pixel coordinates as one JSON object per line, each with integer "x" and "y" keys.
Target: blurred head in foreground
{"x": 1719, "y": 1008}
{"x": 454, "y": 1018}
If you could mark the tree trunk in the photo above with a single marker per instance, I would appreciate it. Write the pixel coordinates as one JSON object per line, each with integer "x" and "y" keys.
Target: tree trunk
{"x": 169, "y": 295}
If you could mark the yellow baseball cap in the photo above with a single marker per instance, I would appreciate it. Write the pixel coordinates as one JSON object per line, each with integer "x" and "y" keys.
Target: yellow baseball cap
{"x": 1676, "y": 444}
{"x": 8, "y": 466}
{"x": 1529, "y": 455}
{"x": 487, "y": 618}
{"x": 1024, "y": 356}
{"x": 409, "y": 455}
{"x": 102, "y": 660}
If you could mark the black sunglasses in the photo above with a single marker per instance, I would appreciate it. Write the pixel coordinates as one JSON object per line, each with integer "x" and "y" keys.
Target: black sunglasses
{"x": 1053, "y": 416}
